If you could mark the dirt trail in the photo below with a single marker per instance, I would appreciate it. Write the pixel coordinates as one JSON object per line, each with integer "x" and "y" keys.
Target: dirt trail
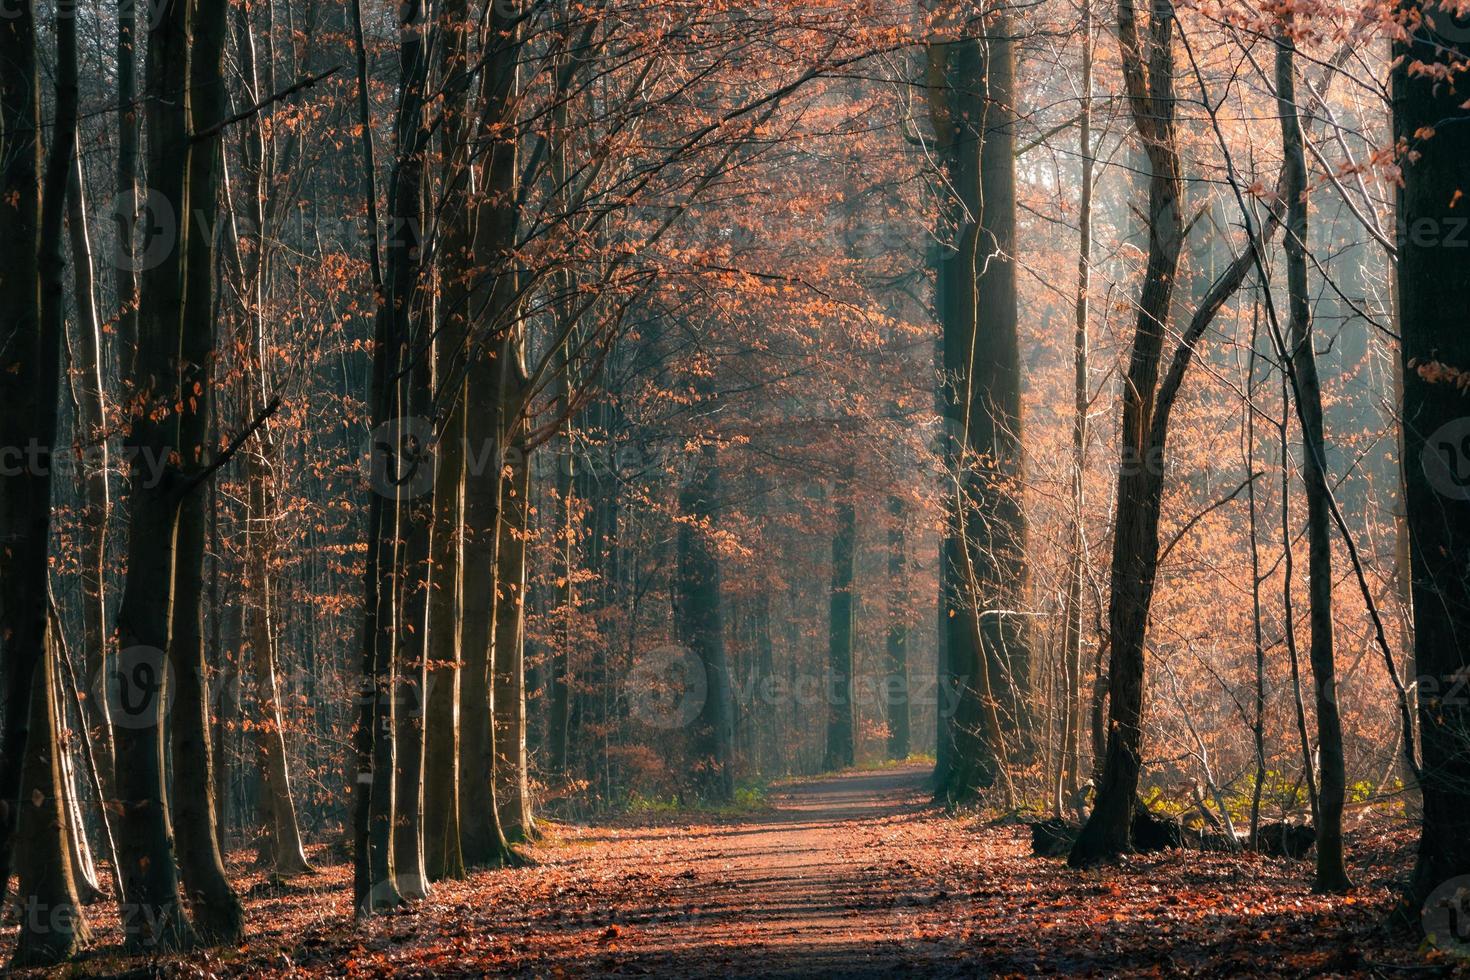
{"x": 847, "y": 876}
{"x": 817, "y": 886}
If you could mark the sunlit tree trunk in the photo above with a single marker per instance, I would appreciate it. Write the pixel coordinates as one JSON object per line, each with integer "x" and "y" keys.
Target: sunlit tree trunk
{"x": 90, "y": 397}
{"x": 1069, "y": 773}
{"x": 512, "y": 774}
{"x": 488, "y": 266}
{"x": 52, "y": 928}
{"x": 416, "y": 506}
{"x": 154, "y": 916}
{"x": 216, "y": 909}
{"x": 281, "y": 847}
{"x": 443, "y": 857}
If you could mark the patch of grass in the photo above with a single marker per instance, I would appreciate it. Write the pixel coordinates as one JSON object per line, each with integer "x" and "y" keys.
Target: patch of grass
{"x": 750, "y": 797}
{"x": 879, "y": 765}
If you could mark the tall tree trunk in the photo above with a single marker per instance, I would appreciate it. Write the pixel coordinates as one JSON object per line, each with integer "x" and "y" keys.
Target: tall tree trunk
{"x": 1331, "y": 875}
{"x": 699, "y": 620}
{"x": 52, "y": 928}
{"x": 443, "y": 857}
{"x": 840, "y": 752}
{"x": 1140, "y": 475}
{"x": 512, "y": 773}
{"x": 492, "y": 311}
{"x": 90, "y": 397}
{"x": 218, "y": 915}
{"x": 217, "y": 912}
{"x": 281, "y": 844}
{"x": 31, "y": 368}
{"x": 1433, "y": 294}
{"x": 412, "y": 651}
{"x": 896, "y": 689}
{"x": 415, "y": 501}
{"x": 972, "y": 97}
{"x": 1069, "y": 773}
{"x": 482, "y": 838}
{"x": 373, "y": 887}
{"x": 125, "y": 206}
{"x": 167, "y": 364}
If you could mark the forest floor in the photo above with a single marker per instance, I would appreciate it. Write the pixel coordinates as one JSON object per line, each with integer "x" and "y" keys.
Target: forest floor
{"x": 854, "y": 875}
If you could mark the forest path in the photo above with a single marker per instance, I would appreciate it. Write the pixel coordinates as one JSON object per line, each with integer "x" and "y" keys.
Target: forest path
{"x": 818, "y": 885}
{"x": 854, "y": 875}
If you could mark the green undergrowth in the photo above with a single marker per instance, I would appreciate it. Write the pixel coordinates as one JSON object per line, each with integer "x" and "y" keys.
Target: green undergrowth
{"x": 750, "y": 797}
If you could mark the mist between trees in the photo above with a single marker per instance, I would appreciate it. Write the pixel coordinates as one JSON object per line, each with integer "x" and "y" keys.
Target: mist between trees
{"x": 458, "y": 414}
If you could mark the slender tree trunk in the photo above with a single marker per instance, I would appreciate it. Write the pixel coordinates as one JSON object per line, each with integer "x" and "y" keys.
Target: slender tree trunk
{"x": 415, "y": 503}
{"x": 125, "y": 207}
{"x": 840, "y": 622}
{"x": 372, "y": 881}
{"x": 68, "y": 680}
{"x": 443, "y": 857}
{"x": 1069, "y": 773}
{"x": 512, "y": 773}
{"x": 897, "y": 688}
{"x": 767, "y": 736}
{"x": 1140, "y": 475}
{"x": 1258, "y": 722}
{"x": 52, "y": 928}
{"x": 559, "y": 710}
{"x": 79, "y": 849}
{"x": 1331, "y": 875}
{"x": 90, "y": 396}
{"x": 281, "y": 843}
